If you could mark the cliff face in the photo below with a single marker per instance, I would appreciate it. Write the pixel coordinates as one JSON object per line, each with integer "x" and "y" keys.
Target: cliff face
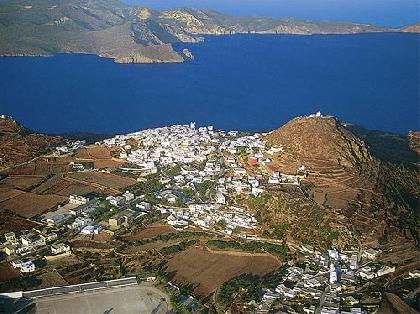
{"x": 374, "y": 195}
{"x": 131, "y": 34}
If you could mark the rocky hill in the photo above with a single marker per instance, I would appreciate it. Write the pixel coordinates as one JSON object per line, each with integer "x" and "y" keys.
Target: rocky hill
{"x": 18, "y": 144}
{"x": 344, "y": 174}
{"x": 127, "y": 34}
{"x": 415, "y": 28}
{"x": 322, "y": 138}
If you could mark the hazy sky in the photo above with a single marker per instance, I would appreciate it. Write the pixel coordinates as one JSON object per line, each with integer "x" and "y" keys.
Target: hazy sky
{"x": 381, "y": 12}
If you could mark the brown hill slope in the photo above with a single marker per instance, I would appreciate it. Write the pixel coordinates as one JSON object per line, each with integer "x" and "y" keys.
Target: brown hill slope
{"x": 18, "y": 144}
{"x": 415, "y": 28}
{"x": 322, "y": 138}
{"x": 374, "y": 195}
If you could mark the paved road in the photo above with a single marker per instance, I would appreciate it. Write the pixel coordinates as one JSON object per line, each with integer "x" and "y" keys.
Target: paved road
{"x": 129, "y": 299}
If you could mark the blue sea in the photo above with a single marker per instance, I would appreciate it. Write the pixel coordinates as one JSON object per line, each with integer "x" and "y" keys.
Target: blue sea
{"x": 244, "y": 82}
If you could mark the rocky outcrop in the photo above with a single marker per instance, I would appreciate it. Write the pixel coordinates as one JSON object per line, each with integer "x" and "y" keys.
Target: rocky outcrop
{"x": 188, "y": 55}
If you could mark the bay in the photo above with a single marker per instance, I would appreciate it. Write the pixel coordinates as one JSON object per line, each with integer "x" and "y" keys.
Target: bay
{"x": 245, "y": 82}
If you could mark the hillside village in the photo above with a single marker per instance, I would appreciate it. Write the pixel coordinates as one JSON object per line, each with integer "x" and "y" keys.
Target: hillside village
{"x": 193, "y": 178}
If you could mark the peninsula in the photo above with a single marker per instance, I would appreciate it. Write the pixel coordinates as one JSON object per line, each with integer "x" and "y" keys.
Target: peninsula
{"x": 129, "y": 34}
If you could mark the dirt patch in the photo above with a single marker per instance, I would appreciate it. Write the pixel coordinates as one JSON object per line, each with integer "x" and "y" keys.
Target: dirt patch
{"x": 22, "y": 182}
{"x": 102, "y": 237}
{"x": 7, "y": 272}
{"x": 93, "y": 152}
{"x": 12, "y": 222}
{"x": 100, "y": 179}
{"x": 87, "y": 244}
{"x": 149, "y": 232}
{"x": 107, "y": 163}
{"x": 51, "y": 279}
{"x": 8, "y": 193}
{"x": 62, "y": 186}
{"x": 29, "y": 205}
{"x": 207, "y": 270}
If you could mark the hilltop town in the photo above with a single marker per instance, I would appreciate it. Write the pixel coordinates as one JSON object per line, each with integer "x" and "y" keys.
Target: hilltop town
{"x": 216, "y": 219}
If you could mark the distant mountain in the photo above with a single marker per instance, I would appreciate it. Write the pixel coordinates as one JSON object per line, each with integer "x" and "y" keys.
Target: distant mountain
{"x": 127, "y": 34}
{"x": 415, "y": 28}
{"x": 379, "y": 198}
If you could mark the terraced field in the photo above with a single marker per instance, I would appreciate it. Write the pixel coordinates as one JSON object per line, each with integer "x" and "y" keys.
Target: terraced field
{"x": 206, "y": 270}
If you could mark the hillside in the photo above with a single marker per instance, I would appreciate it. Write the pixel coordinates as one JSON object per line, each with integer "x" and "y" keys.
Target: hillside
{"x": 18, "y": 144}
{"x": 415, "y": 28}
{"x": 344, "y": 174}
{"x": 131, "y": 34}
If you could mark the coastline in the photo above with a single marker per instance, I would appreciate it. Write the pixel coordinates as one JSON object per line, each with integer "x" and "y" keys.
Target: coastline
{"x": 179, "y": 57}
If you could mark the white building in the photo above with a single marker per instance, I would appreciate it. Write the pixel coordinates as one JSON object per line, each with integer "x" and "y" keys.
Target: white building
{"x": 220, "y": 198}
{"x": 25, "y": 266}
{"x": 128, "y": 196}
{"x": 78, "y": 200}
{"x": 91, "y": 229}
{"x": 58, "y": 248}
{"x": 116, "y": 200}
{"x": 333, "y": 274}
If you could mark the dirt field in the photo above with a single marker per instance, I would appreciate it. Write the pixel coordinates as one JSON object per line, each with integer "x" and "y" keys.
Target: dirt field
{"x": 51, "y": 167}
{"x": 208, "y": 270}
{"x": 22, "y": 182}
{"x": 8, "y": 193}
{"x": 93, "y": 152}
{"x": 65, "y": 261}
{"x": 29, "y": 204}
{"x": 62, "y": 186}
{"x": 107, "y": 163}
{"x": 102, "y": 237}
{"x": 7, "y": 272}
{"x": 11, "y": 222}
{"x": 90, "y": 245}
{"x": 149, "y": 232}
{"x": 51, "y": 279}
{"x": 100, "y": 155}
{"x": 100, "y": 179}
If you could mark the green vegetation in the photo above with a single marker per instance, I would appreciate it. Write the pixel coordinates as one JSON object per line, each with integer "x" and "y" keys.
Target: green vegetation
{"x": 173, "y": 236}
{"x": 206, "y": 190}
{"x": 251, "y": 246}
{"x": 172, "y": 171}
{"x": 169, "y": 250}
{"x": 188, "y": 193}
{"x": 279, "y": 231}
{"x": 104, "y": 211}
{"x": 294, "y": 216}
{"x": 19, "y": 284}
{"x": 244, "y": 289}
{"x": 149, "y": 187}
{"x": 221, "y": 224}
{"x": 247, "y": 287}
